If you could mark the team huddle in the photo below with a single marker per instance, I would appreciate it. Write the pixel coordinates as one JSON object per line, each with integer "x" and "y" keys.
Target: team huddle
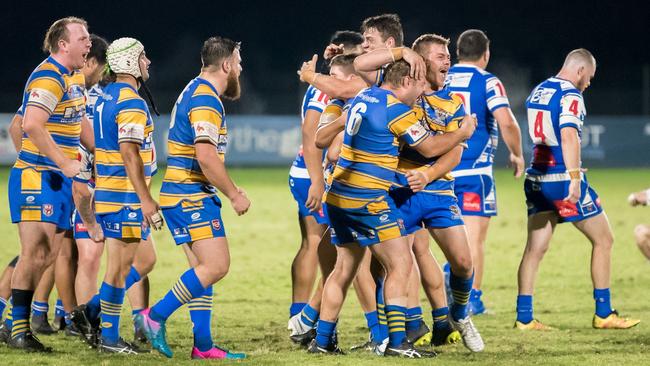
{"x": 401, "y": 144}
{"x": 397, "y": 145}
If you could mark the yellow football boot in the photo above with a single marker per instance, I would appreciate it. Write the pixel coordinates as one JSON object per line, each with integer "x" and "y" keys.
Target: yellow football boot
{"x": 614, "y": 321}
{"x": 532, "y": 325}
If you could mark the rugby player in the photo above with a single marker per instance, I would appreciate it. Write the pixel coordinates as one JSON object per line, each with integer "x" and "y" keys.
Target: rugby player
{"x": 125, "y": 208}
{"x": 426, "y": 197}
{"x": 557, "y": 190}
{"x": 306, "y": 182}
{"x": 482, "y": 94}
{"x": 197, "y": 146}
{"x": 40, "y": 195}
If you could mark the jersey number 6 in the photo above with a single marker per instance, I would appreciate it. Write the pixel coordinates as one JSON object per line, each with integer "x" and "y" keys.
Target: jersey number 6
{"x": 354, "y": 121}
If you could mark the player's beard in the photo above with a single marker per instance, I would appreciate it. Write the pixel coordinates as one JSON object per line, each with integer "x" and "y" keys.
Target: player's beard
{"x": 431, "y": 77}
{"x": 233, "y": 88}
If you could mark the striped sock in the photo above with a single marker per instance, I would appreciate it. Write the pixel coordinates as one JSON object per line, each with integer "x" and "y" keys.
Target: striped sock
{"x": 460, "y": 290}
{"x": 187, "y": 288}
{"x": 201, "y": 316}
{"x": 396, "y": 324}
{"x": 525, "y": 308}
{"x": 324, "y": 333}
{"x": 413, "y": 318}
{"x": 9, "y": 319}
{"x": 381, "y": 311}
{"x": 111, "y": 299}
{"x": 22, "y": 300}
{"x": 441, "y": 319}
{"x": 94, "y": 307}
{"x": 3, "y": 305}
{"x": 39, "y": 308}
{"x": 603, "y": 302}
{"x": 296, "y": 308}
{"x": 58, "y": 308}
{"x": 309, "y": 316}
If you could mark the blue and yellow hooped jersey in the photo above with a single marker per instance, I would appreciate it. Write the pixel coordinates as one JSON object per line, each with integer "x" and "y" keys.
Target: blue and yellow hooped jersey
{"x": 121, "y": 116}
{"x": 440, "y": 112}
{"x": 315, "y": 100}
{"x": 60, "y": 92}
{"x": 198, "y": 116}
{"x": 367, "y": 167}
{"x": 553, "y": 105}
{"x": 482, "y": 93}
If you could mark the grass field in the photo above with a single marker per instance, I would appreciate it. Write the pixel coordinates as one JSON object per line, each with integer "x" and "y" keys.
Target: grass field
{"x": 251, "y": 303}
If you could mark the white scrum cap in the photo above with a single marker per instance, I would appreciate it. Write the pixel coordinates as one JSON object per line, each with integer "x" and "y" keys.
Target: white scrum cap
{"x": 123, "y": 54}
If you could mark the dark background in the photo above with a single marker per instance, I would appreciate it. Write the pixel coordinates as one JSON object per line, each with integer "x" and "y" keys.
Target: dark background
{"x": 529, "y": 42}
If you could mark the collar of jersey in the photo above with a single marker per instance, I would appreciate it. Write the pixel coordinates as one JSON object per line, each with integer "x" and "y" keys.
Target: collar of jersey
{"x": 209, "y": 84}
{"x": 62, "y": 68}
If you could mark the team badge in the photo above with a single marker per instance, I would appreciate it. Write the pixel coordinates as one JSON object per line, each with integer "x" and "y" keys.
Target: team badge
{"x": 216, "y": 224}
{"x": 48, "y": 210}
{"x": 400, "y": 223}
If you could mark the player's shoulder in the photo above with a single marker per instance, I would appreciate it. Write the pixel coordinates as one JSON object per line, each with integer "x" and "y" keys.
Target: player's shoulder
{"x": 445, "y": 100}
{"x": 50, "y": 70}
{"x": 204, "y": 94}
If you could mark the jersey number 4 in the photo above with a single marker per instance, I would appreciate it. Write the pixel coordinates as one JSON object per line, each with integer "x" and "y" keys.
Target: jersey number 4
{"x": 540, "y": 127}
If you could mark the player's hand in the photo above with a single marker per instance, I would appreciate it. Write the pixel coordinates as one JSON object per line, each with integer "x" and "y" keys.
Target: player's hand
{"x": 418, "y": 67}
{"x": 151, "y": 214}
{"x": 315, "y": 197}
{"x": 468, "y": 126}
{"x": 240, "y": 202}
{"x": 517, "y": 163}
{"x": 574, "y": 191}
{"x": 333, "y": 50}
{"x": 417, "y": 180}
{"x": 638, "y": 198}
{"x": 71, "y": 168}
{"x": 95, "y": 232}
{"x": 308, "y": 68}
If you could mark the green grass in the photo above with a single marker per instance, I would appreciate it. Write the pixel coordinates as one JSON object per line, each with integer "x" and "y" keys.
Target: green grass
{"x": 251, "y": 303}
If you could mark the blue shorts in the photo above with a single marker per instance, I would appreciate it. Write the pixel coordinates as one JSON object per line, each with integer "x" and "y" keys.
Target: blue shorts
{"x": 372, "y": 223}
{"x": 300, "y": 190}
{"x": 428, "y": 210}
{"x": 476, "y": 194}
{"x": 543, "y": 195}
{"x": 44, "y": 196}
{"x": 190, "y": 221}
{"x": 126, "y": 223}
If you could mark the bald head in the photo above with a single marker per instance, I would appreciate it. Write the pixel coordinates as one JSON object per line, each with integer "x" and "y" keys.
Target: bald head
{"x": 579, "y": 68}
{"x": 579, "y": 57}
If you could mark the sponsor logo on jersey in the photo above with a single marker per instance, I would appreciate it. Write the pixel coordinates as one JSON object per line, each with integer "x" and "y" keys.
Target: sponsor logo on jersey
{"x": 196, "y": 216}
{"x": 566, "y": 208}
{"x": 30, "y": 199}
{"x": 80, "y": 228}
{"x": 383, "y": 218}
{"x": 471, "y": 202}
{"x": 132, "y": 215}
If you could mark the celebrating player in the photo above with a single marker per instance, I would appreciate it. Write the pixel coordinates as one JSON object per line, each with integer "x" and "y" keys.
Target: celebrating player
{"x": 197, "y": 146}
{"x": 484, "y": 95}
{"x": 557, "y": 190}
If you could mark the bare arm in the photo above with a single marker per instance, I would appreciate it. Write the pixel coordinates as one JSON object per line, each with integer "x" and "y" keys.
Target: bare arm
{"x": 334, "y": 150}
{"x": 134, "y": 166}
{"x": 87, "y": 136}
{"x": 366, "y": 65}
{"x": 511, "y": 134}
{"x": 571, "y": 156}
{"x": 83, "y": 201}
{"x": 328, "y": 131}
{"x": 215, "y": 170}
{"x": 418, "y": 179}
{"x": 16, "y": 131}
{"x": 333, "y": 87}
{"x": 34, "y": 125}
{"x": 438, "y": 145}
{"x": 313, "y": 160}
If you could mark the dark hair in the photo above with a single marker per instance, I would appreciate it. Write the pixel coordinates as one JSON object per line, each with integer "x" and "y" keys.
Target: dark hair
{"x": 395, "y": 72}
{"x": 59, "y": 31}
{"x": 98, "y": 49}
{"x": 344, "y": 61}
{"x": 350, "y": 39}
{"x": 388, "y": 25}
{"x": 471, "y": 45}
{"x": 428, "y": 38}
{"x": 215, "y": 49}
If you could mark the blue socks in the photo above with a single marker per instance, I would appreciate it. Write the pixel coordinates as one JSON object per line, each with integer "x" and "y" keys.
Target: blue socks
{"x": 295, "y": 308}
{"x": 413, "y": 318}
{"x": 372, "y": 319}
{"x": 58, "y": 309}
{"x": 111, "y": 299}
{"x": 381, "y": 311}
{"x": 22, "y": 301}
{"x": 186, "y": 288}
{"x": 3, "y": 305}
{"x": 324, "y": 333}
{"x": 309, "y": 316}
{"x": 603, "y": 302}
{"x": 396, "y": 324}
{"x": 460, "y": 290}
{"x": 201, "y": 316}
{"x": 441, "y": 319}
{"x": 525, "y": 308}
{"x": 9, "y": 318}
{"x": 131, "y": 278}
{"x": 39, "y": 308}
{"x": 93, "y": 304}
